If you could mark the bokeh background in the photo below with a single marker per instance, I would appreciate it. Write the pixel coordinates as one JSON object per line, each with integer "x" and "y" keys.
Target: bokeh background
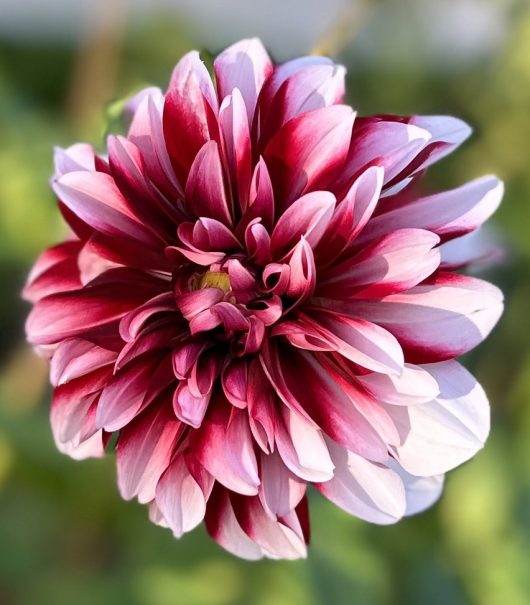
{"x": 65, "y": 535}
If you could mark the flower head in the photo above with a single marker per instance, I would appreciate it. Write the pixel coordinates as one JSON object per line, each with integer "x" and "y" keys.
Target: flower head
{"x": 255, "y": 297}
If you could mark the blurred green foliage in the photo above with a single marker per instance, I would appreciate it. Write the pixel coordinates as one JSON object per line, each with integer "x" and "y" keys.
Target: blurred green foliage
{"x": 65, "y": 535}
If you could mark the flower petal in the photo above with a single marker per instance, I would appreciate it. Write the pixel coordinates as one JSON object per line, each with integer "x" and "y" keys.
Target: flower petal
{"x": 398, "y": 261}
{"x": 190, "y": 113}
{"x": 441, "y": 434}
{"x": 449, "y": 214}
{"x": 307, "y": 152}
{"x": 244, "y": 65}
{"x": 438, "y": 320}
{"x": 367, "y": 490}
{"x": 144, "y": 450}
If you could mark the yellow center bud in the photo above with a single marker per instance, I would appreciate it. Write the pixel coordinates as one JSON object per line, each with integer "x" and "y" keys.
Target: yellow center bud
{"x": 212, "y": 279}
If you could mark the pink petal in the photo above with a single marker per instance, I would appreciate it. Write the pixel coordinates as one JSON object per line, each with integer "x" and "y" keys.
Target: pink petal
{"x": 180, "y": 498}
{"x": 74, "y": 158}
{"x": 237, "y": 146}
{"x": 281, "y": 490}
{"x": 146, "y": 132}
{"x": 414, "y": 386}
{"x": 95, "y": 199}
{"x": 75, "y": 357}
{"x": 123, "y": 398}
{"x": 261, "y": 410}
{"x": 351, "y": 214}
{"x": 396, "y": 262}
{"x": 234, "y": 382}
{"x": 72, "y": 402}
{"x": 276, "y": 539}
{"x": 449, "y": 214}
{"x": 205, "y": 188}
{"x": 308, "y": 216}
{"x": 239, "y": 448}
{"x": 447, "y": 133}
{"x": 106, "y": 299}
{"x": 220, "y": 457}
{"x": 225, "y": 529}
{"x": 190, "y": 113}
{"x": 192, "y": 303}
{"x": 440, "y": 435}
{"x": 54, "y": 271}
{"x": 392, "y": 145}
{"x": 306, "y": 153}
{"x": 421, "y": 492}
{"x": 367, "y": 490}
{"x": 93, "y": 447}
{"x": 363, "y": 342}
{"x": 144, "y": 450}
{"x": 302, "y": 447}
{"x": 189, "y": 407}
{"x": 244, "y": 65}
{"x": 130, "y": 175}
{"x": 322, "y": 396}
{"x": 437, "y": 320}
{"x": 302, "y": 272}
{"x": 296, "y": 87}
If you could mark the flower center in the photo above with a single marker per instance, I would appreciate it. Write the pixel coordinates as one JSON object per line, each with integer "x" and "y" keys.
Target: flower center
{"x": 214, "y": 279}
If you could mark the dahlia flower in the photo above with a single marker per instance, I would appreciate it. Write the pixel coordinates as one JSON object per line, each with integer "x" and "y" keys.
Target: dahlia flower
{"x": 254, "y": 297}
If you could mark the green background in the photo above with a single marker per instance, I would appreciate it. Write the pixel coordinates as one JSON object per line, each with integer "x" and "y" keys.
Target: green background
{"x": 65, "y": 535}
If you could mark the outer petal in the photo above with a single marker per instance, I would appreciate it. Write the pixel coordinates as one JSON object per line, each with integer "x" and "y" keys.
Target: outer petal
{"x": 190, "y": 113}
{"x": 392, "y": 145}
{"x": 449, "y": 214}
{"x": 296, "y": 87}
{"x": 70, "y": 414}
{"x": 421, "y": 492}
{"x": 439, "y": 435}
{"x": 413, "y": 386}
{"x": 360, "y": 341}
{"x": 244, "y": 65}
{"x": 396, "y": 262}
{"x": 276, "y": 539}
{"x": 351, "y": 215}
{"x": 438, "y": 320}
{"x": 321, "y": 398}
{"x": 367, "y": 490}
{"x": 75, "y": 357}
{"x": 281, "y": 490}
{"x": 106, "y": 299}
{"x": 123, "y": 398}
{"x": 144, "y": 450}
{"x": 76, "y": 157}
{"x": 55, "y": 270}
{"x": 218, "y": 450}
{"x": 180, "y": 498}
{"x": 95, "y": 199}
{"x": 302, "y": 447}
{"x": 146, "y": 132}
{"x": 224, "y": 528}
